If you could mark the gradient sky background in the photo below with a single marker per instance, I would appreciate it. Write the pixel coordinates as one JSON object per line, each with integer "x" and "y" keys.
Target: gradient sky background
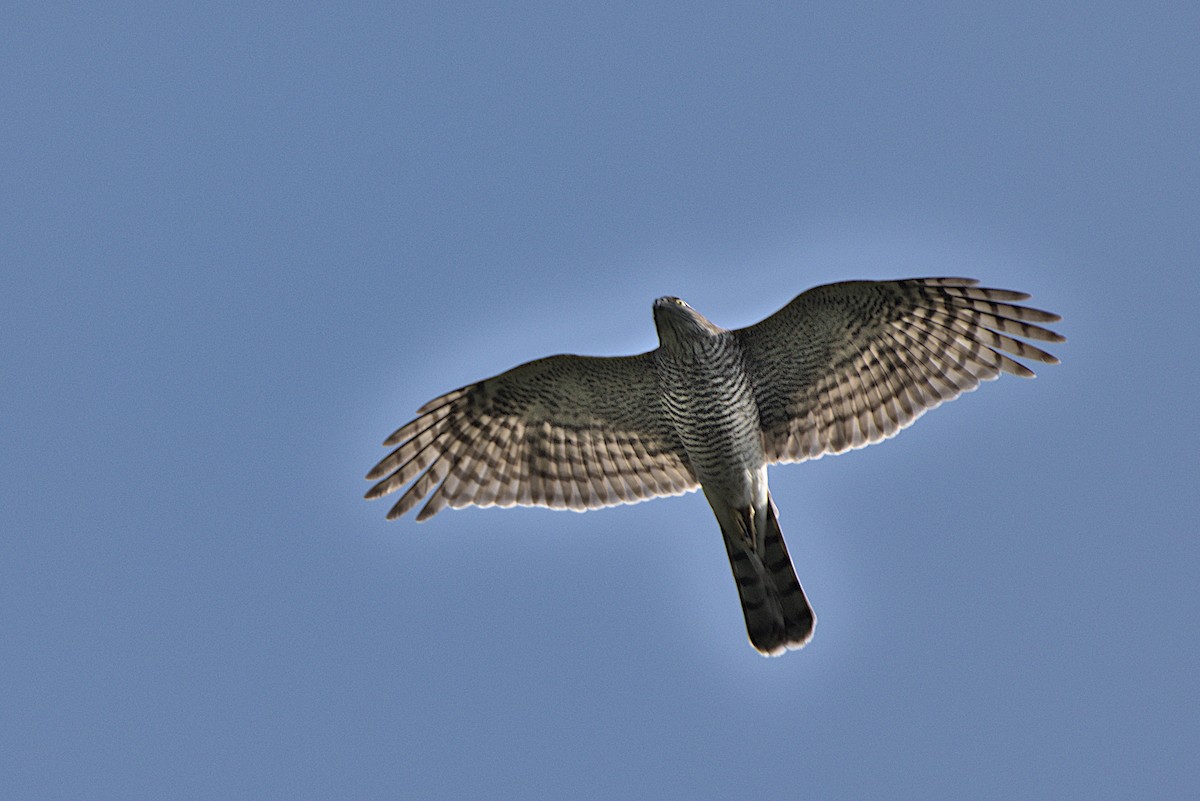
{"x": 241, "y": 243}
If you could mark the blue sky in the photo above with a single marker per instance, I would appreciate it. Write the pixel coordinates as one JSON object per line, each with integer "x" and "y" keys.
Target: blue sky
{"x": 241, "y": 243}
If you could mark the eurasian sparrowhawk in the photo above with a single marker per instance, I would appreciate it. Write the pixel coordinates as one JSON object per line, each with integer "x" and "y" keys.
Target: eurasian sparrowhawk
{"x": 841, "y": 366}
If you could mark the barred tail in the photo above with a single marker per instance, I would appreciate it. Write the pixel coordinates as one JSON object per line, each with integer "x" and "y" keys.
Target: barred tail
{"x": 778, "y": 616}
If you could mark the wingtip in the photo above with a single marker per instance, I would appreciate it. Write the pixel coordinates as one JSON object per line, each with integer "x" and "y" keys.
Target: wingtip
{"x": 947, "y": 280}
{"x": 1021, "y": 371}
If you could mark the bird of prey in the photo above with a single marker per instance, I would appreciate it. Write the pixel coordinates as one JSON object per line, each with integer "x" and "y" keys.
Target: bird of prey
{"x": 841, "y": 366}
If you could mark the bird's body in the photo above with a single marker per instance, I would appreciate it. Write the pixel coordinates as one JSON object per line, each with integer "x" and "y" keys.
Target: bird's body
{"x": 839, "y": 367}
{"x": 709, "y": 398}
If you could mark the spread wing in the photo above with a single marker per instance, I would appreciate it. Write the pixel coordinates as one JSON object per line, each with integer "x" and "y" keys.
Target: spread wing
{"x": 848, "y": 364}
{"x": 568, "y": 432}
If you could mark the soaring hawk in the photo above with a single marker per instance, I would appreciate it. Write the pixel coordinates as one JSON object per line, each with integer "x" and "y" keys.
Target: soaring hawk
{"x": 841, "y": 366}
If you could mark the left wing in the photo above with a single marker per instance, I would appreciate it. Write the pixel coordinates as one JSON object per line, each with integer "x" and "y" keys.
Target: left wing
{"x": 848, "y": 364}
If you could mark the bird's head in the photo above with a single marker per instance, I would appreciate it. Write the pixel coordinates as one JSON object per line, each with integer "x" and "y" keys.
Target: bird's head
{"x": 679, "y": 323}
